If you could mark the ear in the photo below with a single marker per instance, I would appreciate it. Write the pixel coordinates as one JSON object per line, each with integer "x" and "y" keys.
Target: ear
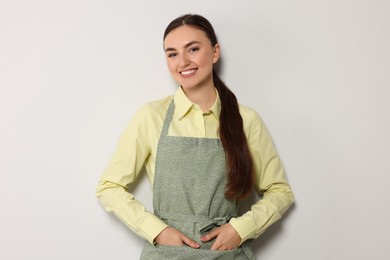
{"x": 216, "y": 53}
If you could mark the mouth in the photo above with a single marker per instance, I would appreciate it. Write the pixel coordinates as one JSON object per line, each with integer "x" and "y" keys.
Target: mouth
{"x": 188, "y": 73}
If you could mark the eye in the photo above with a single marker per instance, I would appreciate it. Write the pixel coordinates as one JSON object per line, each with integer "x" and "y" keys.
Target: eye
{"x": 171, "y": 55}
{"x": 194, "y": 49}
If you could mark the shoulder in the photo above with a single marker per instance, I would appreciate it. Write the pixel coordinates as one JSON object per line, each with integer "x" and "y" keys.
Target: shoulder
{"x": 249, "y": 115}
{"x": 253, "y": 123}
{"x": 154, "y": 109}
{"x": 148, "y": 119}
{"x": 150, "y": 115}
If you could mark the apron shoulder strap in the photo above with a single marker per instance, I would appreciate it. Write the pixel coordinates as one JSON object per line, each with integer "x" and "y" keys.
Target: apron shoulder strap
{"x": 168, "y": 119}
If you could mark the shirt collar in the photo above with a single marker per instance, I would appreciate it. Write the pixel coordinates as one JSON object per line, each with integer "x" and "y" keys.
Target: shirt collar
{"x": 183, "y": 105}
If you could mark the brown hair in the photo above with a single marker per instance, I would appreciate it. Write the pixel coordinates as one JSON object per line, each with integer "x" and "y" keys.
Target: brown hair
{"x": 231, "y": 130}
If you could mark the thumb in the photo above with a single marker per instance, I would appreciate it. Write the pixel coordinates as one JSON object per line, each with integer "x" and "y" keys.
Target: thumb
{"x": 211, "y": 235}
{"x": 188, "y": 241}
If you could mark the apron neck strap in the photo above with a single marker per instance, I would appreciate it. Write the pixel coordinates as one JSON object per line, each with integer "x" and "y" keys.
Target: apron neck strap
{"x": 168, "y": 119}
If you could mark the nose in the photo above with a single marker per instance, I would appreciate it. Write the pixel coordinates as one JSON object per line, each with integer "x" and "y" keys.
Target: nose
{"x": 184, "y": 61}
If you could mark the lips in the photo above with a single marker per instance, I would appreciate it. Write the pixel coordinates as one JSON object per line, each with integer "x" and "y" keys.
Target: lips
{"x": 188, "y": 73}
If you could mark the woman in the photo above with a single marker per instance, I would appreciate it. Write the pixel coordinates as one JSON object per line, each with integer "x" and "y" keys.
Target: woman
{"x": 203, "y": 154}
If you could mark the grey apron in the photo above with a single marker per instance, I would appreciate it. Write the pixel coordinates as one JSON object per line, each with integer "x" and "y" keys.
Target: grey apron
{"x": 188, "y": 194}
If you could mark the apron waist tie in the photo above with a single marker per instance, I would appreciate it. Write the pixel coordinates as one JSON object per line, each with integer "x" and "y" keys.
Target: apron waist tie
{"x": 207, "y": 222}
{"x": 216, "y": 222}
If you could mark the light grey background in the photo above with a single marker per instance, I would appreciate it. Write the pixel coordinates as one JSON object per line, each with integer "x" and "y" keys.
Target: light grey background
{"x": 72, "y": 74}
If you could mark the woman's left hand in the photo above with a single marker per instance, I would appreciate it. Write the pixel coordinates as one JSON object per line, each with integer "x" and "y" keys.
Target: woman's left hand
{"x": 227, "y": 238}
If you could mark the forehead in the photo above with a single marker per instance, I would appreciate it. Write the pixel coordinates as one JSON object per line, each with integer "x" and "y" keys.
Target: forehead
{"x": 184, "y": 34}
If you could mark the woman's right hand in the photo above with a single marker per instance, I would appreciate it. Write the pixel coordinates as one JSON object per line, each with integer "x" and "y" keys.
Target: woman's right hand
{"x": 172, "y": 237}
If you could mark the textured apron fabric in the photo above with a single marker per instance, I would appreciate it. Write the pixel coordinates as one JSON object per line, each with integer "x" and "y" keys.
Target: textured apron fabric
{"x": 188, "y": 194}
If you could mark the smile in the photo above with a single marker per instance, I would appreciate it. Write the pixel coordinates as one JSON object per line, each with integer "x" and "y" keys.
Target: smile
{"x": 187, "y": 72}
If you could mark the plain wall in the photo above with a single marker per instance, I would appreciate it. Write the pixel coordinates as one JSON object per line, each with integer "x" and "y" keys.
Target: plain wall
{"x": 72, "y": 74}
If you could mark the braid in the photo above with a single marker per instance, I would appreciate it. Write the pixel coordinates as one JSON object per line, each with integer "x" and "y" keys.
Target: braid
{"x": 231, "y": 131}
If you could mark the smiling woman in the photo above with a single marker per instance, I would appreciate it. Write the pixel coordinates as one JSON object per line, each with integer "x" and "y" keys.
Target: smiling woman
{"x": 203, "y": 153}
{"x": 190, "y": 59}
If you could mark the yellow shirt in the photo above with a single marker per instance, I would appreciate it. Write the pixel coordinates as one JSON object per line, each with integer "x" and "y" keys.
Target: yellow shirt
{"x": 137, "y": 147}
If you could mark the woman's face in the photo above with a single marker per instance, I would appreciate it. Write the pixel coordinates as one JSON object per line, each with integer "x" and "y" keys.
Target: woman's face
{"x": 190, "y": 57}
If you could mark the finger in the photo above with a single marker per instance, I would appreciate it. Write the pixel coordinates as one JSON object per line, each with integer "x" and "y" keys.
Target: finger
{"x": 227, "y": 239}
{"x": 169, "y": 237}
{"x": 211, "y": 235}
{"x": 189, "y": 241}
{"x": 216, "y": 246}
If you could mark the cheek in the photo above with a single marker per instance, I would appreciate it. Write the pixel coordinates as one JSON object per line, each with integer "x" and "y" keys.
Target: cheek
{"x": 171, "y": 66}
{"x": 205, "y": 60}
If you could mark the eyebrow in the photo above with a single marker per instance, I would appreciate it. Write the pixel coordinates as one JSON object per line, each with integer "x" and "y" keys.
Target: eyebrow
{"x": 185, "y": 46}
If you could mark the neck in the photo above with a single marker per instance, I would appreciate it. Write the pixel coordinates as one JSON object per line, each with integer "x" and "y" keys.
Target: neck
{"x": 203, "y": 97}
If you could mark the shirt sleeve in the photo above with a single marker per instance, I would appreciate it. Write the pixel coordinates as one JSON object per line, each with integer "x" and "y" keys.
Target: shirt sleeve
{"x": 270, "y": 183}
{"x": 133, "y": 149}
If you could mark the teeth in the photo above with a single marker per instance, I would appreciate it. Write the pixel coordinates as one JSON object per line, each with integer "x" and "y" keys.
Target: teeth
{"x": 187, "y": 72}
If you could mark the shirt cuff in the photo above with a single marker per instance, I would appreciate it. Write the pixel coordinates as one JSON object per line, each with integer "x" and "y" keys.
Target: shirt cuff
{"x": 152, "y": 226}
{"x": 245, "y": 227}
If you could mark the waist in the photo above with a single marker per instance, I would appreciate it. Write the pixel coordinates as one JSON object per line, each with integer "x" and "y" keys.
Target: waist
{"x": 205, "y": 223}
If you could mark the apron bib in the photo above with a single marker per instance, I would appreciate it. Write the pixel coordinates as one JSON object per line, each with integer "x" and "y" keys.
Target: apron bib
{"x": 188, "y": 194}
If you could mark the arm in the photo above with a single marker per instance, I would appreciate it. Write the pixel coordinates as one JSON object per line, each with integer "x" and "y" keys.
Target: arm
{"x": 270, "y": 182}
{"x": 132, "y": 151}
